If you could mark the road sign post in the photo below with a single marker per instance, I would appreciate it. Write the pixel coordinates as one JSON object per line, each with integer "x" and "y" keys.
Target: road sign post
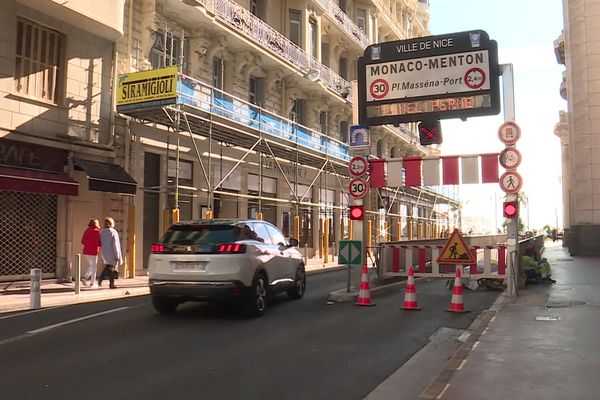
{"x": 350, "y": 254}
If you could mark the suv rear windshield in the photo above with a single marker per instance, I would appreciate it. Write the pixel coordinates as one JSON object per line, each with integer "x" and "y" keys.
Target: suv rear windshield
{"x": 206, "y": 234}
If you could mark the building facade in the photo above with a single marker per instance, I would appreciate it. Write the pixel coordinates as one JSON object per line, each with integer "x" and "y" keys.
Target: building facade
{"x": 59, "y": 157}
{"x": 259, "y": 127}
{"x": 578, "y": 49}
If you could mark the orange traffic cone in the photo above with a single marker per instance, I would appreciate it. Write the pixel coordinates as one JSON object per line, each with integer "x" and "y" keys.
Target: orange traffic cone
{"x": 456, "y": 304}
{"x": 364, "y": 294}
{"x": 410, "y": 294}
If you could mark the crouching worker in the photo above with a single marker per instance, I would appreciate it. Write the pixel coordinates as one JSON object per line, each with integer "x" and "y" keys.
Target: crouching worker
{"x": 537, "y": 271}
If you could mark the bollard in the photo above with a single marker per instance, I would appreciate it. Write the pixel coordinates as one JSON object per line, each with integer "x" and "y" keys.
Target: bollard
{"x": 305, "y": 253}
{"x": 35, "y": 292}
{"x": 78, "y": 274}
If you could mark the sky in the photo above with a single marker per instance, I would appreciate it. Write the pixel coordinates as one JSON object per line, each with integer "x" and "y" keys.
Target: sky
{"x": 525, "y": 31}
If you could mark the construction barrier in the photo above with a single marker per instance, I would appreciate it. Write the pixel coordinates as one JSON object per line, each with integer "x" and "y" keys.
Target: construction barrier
{"x": 395, "y": 259}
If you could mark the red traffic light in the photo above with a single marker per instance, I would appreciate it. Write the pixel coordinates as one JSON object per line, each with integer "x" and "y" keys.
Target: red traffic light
{"x": 356, "y": 213}
{"x": 510, "y": 209}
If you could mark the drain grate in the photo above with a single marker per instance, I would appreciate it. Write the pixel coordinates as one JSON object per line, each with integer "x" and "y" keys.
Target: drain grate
{"x": 565, "y": 304}
{"x": 564, "y": 259}
{"x": 547, "y": 318}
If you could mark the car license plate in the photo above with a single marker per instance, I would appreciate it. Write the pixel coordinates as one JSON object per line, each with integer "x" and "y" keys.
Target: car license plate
{"x": 190, "y": 266}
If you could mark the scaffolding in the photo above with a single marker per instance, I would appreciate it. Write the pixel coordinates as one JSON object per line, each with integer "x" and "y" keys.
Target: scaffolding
{"x": 200, "y": 111}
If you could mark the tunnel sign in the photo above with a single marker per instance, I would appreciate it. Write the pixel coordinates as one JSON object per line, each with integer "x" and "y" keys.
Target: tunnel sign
{"x": 435, "y": 77}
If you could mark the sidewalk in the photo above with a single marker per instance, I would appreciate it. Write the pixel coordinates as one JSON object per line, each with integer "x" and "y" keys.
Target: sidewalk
{"x": 542, "y": 344}
{"x": 15, "y": 296}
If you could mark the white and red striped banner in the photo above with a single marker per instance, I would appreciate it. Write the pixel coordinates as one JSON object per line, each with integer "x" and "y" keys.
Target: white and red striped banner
{"x": 452, "y": 170}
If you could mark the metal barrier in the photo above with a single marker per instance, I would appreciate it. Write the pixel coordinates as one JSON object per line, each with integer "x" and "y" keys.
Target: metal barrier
{"x": 395, "y": 260}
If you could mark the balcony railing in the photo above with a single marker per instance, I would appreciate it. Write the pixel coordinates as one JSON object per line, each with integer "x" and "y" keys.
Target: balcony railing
{"x": 249, "y": 25}
{"x": 342, "y": 20}
{"x": 385, "y": 14}
{"x": 206, "y": 98}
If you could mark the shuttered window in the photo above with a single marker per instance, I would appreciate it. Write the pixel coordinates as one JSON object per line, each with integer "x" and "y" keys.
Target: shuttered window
{"x": 38, "y": 61}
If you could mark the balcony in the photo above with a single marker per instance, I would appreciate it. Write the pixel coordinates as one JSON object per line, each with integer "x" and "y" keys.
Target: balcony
{"x": 250, "y": 26}
{"x": 559, "y": 49}
{"x": 341, "y": 19}
{"x": 105, "y": 21}
{"x": 387, "y": 17}
{"x": 561, "y": 129}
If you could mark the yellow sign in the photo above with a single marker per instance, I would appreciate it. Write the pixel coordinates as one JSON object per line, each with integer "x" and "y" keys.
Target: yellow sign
{"x": 157, "y": 87}
{"x": 456, "y": 251}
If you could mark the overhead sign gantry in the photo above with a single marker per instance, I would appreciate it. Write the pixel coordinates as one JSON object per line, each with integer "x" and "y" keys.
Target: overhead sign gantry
{"x": 429, "y": 78}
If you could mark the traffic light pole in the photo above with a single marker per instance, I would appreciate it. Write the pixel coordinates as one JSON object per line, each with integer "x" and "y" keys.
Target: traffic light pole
{"x": 512, "y": 227}
{"x": 359, "y": 230}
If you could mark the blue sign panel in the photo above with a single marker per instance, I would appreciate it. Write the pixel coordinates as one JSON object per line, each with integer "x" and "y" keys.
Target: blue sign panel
{"x": 359, "y": 136}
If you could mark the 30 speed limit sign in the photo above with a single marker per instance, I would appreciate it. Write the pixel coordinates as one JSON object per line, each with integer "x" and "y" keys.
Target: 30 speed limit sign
{"x": 358, "y": 188}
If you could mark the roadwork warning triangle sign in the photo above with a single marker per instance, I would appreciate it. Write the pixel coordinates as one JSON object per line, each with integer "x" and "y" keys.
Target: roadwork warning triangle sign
{"x": 456, "y": 251}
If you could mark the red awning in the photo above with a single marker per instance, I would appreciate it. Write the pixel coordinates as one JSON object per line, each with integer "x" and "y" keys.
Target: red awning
{"x": 25, "y": 180}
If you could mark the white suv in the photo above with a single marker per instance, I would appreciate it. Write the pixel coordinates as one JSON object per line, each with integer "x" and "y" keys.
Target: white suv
{"x": 215, "y": 259}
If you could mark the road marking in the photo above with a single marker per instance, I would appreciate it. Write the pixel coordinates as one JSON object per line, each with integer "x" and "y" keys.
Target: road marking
{"x": 27, "y": 312}
{"x": 71, "y": 321}
{"x": 446, "y": 386}
{"x": 49, "y": 327}
{"x": 462, "y": 364}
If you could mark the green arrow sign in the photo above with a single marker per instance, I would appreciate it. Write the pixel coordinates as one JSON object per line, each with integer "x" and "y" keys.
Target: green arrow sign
{"x": 350, "y": 252}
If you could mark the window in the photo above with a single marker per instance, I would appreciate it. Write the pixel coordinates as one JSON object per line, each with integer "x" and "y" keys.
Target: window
{"x": 295, "y": 27}
{"x": 257, "y": 7}
{"x": 380, "y": 148}
{"x": 166, "y": 51}
{"x": 325, "y": 54}
{"x": 297, "y": 113}
{"x": 38, "y": 61}
{"x": 256, "y": 90}
{"x": 343, "y": 5}
{"x": 372, "y": 30}
{"x": 344, "y": 67}
{"x": 262, "y": 233}
{"x": 324, "y": 122}
{"x": 312, "y": 26}
{"x": 361, "y": 19}
{"x": 218, "y": 73}
{"x": 344, "y": 128}
{"x": 276, "y": 236}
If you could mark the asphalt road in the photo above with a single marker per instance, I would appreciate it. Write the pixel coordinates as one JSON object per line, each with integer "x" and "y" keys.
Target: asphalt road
{"x": 305, "y": 349}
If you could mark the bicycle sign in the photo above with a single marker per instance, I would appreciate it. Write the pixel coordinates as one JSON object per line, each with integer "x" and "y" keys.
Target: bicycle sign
{"x": 358, "y": 188}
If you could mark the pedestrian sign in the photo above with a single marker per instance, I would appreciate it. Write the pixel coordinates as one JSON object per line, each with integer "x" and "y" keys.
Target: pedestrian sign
{"x": 456, "y": 251}
{"x": 350, "y": 252}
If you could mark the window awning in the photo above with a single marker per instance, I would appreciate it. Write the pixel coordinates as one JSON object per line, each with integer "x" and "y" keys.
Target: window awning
{"x": 34, "y": 181}
{"x": 104, "y": 177}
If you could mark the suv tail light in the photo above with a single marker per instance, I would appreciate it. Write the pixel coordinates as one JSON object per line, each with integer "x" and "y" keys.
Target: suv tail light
{"x": 157, "y": 248}
{"x": 231, "y": 248}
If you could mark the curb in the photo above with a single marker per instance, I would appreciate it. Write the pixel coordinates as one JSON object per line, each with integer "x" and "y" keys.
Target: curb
{"x": 88, "y": 296}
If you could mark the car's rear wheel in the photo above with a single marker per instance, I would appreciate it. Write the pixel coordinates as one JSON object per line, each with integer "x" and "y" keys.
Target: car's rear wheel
{"x": 256, "y": 302}
{"x": 164, "y": 305}
{"x": 297, "y": 291}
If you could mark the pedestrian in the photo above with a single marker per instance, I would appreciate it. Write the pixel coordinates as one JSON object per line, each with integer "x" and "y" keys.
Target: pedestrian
{"x": 91, "y": 244}
{"x": 110, "y": 248}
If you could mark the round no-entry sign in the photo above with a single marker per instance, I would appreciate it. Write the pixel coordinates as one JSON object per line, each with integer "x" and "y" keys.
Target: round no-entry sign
{"x": 358, "y": 166}
{"x": 358, "y": 188}
{"x": 510, "y": 158}
{"x": 511, "y": 182}
{"x": 509, "y": 133}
